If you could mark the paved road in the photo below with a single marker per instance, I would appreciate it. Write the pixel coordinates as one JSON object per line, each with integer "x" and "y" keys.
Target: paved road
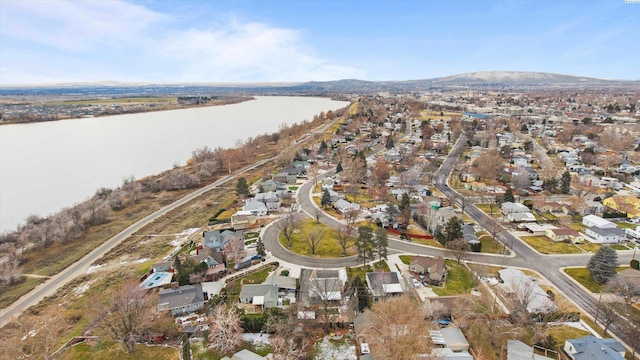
{"x": 49, "y": 287}
{"x": 548, "y": 266}
{"x": 523, "y": 256}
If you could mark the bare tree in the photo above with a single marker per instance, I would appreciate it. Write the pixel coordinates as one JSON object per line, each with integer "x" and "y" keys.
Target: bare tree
{"x": 132, "y": 189}
{"x": 520, "y": 179}
{"x": 289, "y": 349}
{"x": 124, "y": 317}
{"x": 489, "y": 165}
{"x": 288, "y": 224}
{"x": 628, "y": 290}
{"x": 606, "y": 314}
{"x": 325, "y": 298}
{"x": 225, "y": 329}
{"x": 458, "y": 248}
{"x": 396, "y": 329}
{"x": 315, "y": 238}
{"x": 9, "y": 268}
{"x": 312, "y": 173}
{"x": 234, "y": 250}
{"x": 346, "y": 231}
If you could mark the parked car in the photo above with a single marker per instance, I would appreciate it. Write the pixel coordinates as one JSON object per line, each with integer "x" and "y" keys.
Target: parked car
{"x": 416, "y": 283}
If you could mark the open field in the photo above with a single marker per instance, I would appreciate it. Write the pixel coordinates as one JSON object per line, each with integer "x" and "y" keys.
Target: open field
{"x": 107, "y": 350}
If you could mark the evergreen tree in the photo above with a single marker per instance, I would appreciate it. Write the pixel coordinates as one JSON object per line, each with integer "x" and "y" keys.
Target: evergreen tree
{"x": 390, "y": 143}
{"x": 405, "y": 202}
{"x": 326, "y": 198}
{"x": 565, "y": 182}
{"x": 260, "y": 247}
{"x": 508, "y": 196}
{"x": 242, "y": 188}
{"x": 323, "y": 147}
{"x": 381, "y": 242}
{"x": 602, "y": 265}
{"x": 365, "y": 244}
{"x": 359, "y": 288}
{"x": 453, "y": 229}
{"x": 339, "y": 167}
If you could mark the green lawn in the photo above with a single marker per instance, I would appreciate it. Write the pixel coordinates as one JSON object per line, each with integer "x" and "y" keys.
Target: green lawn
{"x": 487, "y": 209}
{"x": 489, "y": 245}
{"x": 582, "y": 276}
{"x": 589, "y": 246}
{"x": 459, "y": 280}
{"x": 329, "y": 247}
{"x": 406, "y": 259}
{"x": 544, "y": 245}
{"x": 361, "y": 271}
{"x": 626, "y": 225}
{"x": 565, "y": 332}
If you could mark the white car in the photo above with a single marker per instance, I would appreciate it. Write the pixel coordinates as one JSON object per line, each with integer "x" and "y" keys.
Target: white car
{"x": 416, "y": 283}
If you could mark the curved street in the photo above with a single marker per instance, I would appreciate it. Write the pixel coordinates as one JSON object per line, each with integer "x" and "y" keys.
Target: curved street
{"x": 549, "y": 266}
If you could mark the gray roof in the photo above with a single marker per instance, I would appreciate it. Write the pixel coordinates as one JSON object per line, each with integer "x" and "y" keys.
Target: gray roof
{"x": 517, "y": 350}
{"x": 269, "y": 291}
{"x": 607, "y": 231}
{"x": 183, "y": 296}
{"x": 592, "y": 348}
{"x": 283, "y": 282}
{"x": 217, "y": 239}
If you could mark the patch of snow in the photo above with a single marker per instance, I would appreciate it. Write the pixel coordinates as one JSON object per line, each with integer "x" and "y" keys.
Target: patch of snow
{"x": 256, "y": 338}
{"x": 94, "y": 268}
{"x": 81, "y": 289}
{"x": 182, "y": 236}
{"x": 328, "y": 350}
{"x": 140, "y": 261}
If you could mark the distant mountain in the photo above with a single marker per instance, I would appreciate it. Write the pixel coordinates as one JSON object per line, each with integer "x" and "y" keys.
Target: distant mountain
{"x": 489, "y": 80}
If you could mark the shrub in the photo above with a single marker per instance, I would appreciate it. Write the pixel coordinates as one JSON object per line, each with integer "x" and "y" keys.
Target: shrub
{"x": 635, "y": 264}
{"x": 284, "y": 273}
{"x": 551, "y": 295}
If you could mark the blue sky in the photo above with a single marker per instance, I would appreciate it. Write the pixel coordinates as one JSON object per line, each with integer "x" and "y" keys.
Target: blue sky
{"x": 54, "y": 41}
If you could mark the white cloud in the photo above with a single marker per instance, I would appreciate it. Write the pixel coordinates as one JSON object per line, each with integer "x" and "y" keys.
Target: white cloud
{"x": 68, "y": 41}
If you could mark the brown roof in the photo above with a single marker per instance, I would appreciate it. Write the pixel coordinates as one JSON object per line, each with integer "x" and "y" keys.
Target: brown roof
{"x": 435, "y": 264}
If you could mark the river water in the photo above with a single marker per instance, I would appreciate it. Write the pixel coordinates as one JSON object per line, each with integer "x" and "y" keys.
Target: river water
{"x": 47, "y": 166}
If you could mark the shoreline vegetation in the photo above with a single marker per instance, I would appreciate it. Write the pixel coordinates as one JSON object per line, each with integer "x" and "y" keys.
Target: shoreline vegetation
{"x": 44, "y": 246}
{"x": 18, "y": 110}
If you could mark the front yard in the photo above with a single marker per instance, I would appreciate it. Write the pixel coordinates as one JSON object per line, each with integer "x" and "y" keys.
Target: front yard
{"x": 459, "y": 280}
{"x": 544, "y": 245}
{"x": 581, "y": 275}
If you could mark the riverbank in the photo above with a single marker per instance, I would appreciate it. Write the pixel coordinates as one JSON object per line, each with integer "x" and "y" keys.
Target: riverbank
{"x": 46, "y": 108}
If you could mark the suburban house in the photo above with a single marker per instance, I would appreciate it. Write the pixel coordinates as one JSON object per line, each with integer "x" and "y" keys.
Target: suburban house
{"x": 276, "y": 291}
{"x": 284, "y": 177}
{"x": 216, "y": 240}
{"x": 597, "y": 221}
{"x": 268, "y": 185}
{"x": 242, "y": 221}
{"x": 591, "y": 347}
{"x": 326, "y": 284}
{"x": 562, "y": 234}
{"x": 214, "y": 267}
{"x": 551, "y": 207}
{"x": 516, "y": 282}
{"x": 538, "y": 229}
{"x": 517, "y": 350}
{"x": 624, "y": 203}
{"x": 432, "y": 268}
{"x": 469, "y": 234}
{"x": 382, "y": 284}
{"x": 327, "y": 183}
{"x": 182, "y": 300}
{"x": 604, "y": 235}
{"x": 450, "y": 343}
{"x": 247, "y": 355}
{"x": 162, "y": 266}
{"x": 255, "y": 207}
{"x": 270, "y": 199}
{"x": 516, "y": 212}
{"x": 343, "y": 206}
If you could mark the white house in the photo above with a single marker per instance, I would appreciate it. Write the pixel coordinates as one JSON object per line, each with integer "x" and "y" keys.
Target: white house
{"x": 343, "y": 206}
{"x": 516, "y": 283}
{"x": 597, "y": 221}
{"x": 255, "y": 207}
{"x": 604, "y": 235}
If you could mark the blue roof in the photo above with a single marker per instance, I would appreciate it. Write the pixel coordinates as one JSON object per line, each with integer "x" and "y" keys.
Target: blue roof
{"x": 157, "y": 279}
{"x": 475, "y": 115}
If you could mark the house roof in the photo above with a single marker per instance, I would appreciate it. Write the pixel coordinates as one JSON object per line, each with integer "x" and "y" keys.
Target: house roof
{"x": 517, "y": 350}
{"x": 388, "y": 282}
{"x": 245, "y": 355}
{"x": 267, "y": 291}
{"x": 516, "y": 281}
{"x": 283, "y": 282}
{"x": 182, "y": 296}
{"x": 597, "y": 221}
{"x": 592, "y": 348}
{"x": 435, "y": 264}
{"x": 453, "y": 337}
{"x": 607, "y": 231}
{"x": 509, "y": 207}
